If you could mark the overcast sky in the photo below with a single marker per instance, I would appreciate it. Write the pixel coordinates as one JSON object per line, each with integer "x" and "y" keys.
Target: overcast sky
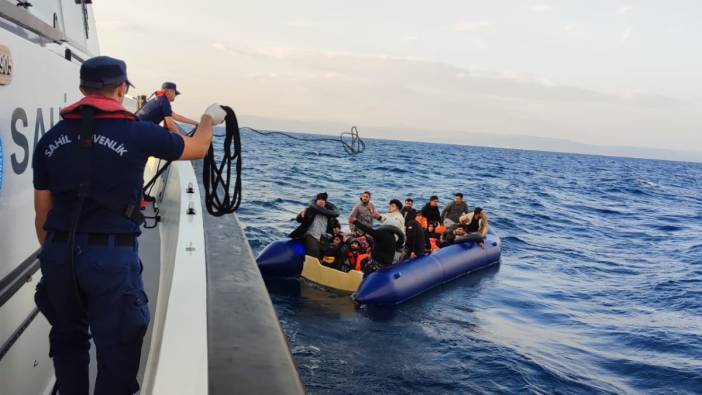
{"x": 599, "y": 72}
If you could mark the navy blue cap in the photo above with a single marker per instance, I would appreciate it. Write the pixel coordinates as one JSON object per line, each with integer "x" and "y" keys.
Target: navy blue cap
{"x": 170, "y": 85}
{"x": 103, "y": 71}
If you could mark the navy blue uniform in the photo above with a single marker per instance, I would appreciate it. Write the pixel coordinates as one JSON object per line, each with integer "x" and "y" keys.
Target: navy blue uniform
{"x": 155, "y": 110}
{"x": 106, "y": 270}
{"x": 120, "y": 150}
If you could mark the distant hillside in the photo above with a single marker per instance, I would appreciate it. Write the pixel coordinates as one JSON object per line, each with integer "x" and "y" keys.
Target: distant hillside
{"x": 477, "y": 139}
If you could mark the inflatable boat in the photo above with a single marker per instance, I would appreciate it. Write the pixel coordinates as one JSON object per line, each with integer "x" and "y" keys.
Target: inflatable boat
{"x": 392, "y": 285}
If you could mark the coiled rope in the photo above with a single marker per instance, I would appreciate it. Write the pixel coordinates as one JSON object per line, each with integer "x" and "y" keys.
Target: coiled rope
{"x": 220, "y": 199}
{"x": 353, "y": 144}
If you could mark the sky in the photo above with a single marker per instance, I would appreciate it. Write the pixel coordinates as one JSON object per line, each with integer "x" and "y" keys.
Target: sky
{"x": 608, "y": 72}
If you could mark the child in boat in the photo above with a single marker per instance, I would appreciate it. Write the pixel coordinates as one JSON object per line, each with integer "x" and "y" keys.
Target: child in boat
{"x": 333, "y": 255}
{"x": 431, "y": 237}
{"x": 356, "y": 257}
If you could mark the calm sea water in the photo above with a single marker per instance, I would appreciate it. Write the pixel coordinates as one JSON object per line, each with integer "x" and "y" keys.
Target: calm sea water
{"x": 599, "y": 289}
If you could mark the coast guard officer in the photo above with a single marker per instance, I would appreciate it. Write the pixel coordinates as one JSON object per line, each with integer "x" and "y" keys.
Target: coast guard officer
{"x": 88, "y": 175}
{"x": 159, "y": 110}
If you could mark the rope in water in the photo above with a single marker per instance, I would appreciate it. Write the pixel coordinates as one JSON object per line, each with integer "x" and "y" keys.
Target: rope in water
{"x": 220, "y": 198}
{"x": 353, "y": 145}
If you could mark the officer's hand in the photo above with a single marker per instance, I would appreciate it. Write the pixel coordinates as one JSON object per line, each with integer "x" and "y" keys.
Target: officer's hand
{"x": 216, "y": 112}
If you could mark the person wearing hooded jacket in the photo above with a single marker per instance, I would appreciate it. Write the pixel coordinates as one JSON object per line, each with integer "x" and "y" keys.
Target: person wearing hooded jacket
{"x": 415, "y": 243}
{"x": 334, "y": 254}
{"x": 384, "y": 247}
{"x": 316, "y": 221}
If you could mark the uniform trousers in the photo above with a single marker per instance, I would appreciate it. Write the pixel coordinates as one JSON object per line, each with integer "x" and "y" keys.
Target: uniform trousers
{"x": 105, "y": 301}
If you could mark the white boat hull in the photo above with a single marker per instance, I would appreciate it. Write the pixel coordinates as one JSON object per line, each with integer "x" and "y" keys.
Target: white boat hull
{"x": 42, "y": 81}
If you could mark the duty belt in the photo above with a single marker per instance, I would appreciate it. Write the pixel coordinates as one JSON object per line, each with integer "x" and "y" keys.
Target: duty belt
{"x": 101, "y": 239}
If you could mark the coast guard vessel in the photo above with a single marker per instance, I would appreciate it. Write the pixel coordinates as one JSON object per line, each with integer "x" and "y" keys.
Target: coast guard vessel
{"x": 213, "y": 328}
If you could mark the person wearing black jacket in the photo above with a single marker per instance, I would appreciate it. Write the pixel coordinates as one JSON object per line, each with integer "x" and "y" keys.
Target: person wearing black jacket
{"x": 408, "y": 211}
{"x": 334, "y": 254}
{"x": 430, "y": 211}
{"x": 385, "y": 244}
{"x": 316, "y": 221}
{"x": 415, "y": 244}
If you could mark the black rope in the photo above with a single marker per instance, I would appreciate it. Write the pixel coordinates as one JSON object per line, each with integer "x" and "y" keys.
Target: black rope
{"x": 220, "y": 199}
{"x": 353, "y": 145}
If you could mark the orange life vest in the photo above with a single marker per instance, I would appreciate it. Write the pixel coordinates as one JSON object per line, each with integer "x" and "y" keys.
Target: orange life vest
{"x": 432, "y": 242}
{"x": 360, "y": 261}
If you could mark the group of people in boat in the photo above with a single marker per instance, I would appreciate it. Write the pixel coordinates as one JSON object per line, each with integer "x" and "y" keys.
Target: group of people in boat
{"x": 404, "y": 232}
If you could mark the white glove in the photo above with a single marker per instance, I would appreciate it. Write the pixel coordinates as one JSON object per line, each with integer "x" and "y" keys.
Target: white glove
{"x": 216, "y": 112}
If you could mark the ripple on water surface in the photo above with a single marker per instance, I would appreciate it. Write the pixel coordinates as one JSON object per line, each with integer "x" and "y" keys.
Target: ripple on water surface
{"x": 598, "y": 289}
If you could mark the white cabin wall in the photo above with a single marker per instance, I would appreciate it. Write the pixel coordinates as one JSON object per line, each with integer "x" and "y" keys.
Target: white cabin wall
{"x": 43, "y": 82}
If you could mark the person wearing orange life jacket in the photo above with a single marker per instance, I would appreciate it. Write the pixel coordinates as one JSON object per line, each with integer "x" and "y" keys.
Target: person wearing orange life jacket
{"x": 355, "y": 257}
{"x": 431, "y": 238}
{"x": 352, "y": 253}
{"x": 159, "y": 109}
{"x": 88, "y": 174}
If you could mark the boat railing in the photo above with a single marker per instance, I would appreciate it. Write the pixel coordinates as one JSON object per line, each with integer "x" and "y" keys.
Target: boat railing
{"x": 214, "y": 328}
{"x": 177, "y": 357}
{"x": 247, "y": 350}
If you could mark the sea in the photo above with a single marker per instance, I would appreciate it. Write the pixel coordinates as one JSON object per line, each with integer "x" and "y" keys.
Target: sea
{"x": 599, "y": 289}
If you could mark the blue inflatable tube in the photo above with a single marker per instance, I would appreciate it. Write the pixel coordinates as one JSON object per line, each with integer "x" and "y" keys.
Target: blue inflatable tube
{"x": 282, "y": 258}
{"x": 410, "y": 278}
{"x": 399, "y": 282}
